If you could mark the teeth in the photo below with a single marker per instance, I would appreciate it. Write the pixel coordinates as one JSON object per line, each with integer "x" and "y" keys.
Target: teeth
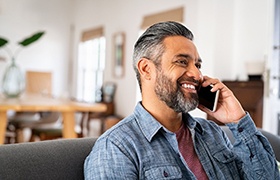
{"x": 189, "y": 86}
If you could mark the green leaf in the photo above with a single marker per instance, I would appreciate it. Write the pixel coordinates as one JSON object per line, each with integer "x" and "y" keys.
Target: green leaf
{"x": 31, "y": 39}
{"x": 3, "y": 42}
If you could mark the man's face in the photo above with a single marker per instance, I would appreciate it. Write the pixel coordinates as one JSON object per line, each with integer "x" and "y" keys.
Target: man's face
{"x": 179, "y": 76}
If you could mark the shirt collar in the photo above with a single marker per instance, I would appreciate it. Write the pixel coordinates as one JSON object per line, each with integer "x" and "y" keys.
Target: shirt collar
{"x": 147, "y": 123}
{"x": 150, "y": 126}
{"x": 192, "y": 123}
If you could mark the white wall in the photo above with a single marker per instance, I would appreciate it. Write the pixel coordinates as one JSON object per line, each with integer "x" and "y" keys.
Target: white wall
{"x": 20, "y": 19}
{"x": 227, "y": 34}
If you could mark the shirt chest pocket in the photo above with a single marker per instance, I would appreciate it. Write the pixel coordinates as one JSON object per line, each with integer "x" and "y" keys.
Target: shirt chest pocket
{"x": 224, "y": 156}
{"x": 163, "y": 172}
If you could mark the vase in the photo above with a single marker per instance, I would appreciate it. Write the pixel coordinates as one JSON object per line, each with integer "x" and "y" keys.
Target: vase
{"x": 13, "y": 81}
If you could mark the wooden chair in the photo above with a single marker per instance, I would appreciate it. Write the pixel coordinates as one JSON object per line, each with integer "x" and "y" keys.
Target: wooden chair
{"x": 39, "y": 83}
{"x": 50, "y": 133}
{"x": 87, "y": 117}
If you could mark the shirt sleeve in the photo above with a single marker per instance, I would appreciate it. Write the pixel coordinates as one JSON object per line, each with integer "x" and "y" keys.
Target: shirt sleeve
{"x": 255, "y": 151}
{"x": 105, "y": 155}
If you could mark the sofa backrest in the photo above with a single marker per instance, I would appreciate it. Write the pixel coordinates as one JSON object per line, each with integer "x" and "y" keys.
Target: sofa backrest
{"x": 56, "y": 159}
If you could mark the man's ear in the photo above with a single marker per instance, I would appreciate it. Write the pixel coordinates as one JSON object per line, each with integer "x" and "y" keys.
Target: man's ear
{"x": 144, "y": 68}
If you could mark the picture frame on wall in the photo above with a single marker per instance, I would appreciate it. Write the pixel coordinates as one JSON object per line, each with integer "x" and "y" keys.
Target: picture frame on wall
{"x": 119, "y": 45}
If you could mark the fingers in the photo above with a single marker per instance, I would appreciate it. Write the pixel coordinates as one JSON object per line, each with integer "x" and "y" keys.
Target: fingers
{"x": 215, "y": 83}
{"x": 209, "y": 81}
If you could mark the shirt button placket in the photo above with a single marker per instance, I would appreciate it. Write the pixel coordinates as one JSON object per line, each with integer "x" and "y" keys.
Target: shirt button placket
{"x": 240, "y": 129}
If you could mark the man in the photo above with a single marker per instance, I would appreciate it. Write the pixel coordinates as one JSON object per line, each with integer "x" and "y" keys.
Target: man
{"x": 161, "y": 140}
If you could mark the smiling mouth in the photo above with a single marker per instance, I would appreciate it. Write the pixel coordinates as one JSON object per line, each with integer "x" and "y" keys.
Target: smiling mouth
{"x": 188, "y": 86}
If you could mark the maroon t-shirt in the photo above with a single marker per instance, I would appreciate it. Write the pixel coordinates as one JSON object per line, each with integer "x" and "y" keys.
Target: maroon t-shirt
{"x": 186, "y": 148}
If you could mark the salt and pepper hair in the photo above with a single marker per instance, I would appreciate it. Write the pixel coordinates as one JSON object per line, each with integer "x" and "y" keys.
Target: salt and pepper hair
{"x": 150, "y": 43}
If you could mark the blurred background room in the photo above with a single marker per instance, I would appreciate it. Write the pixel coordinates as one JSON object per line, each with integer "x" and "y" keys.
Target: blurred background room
{"x": 88, "y": 44}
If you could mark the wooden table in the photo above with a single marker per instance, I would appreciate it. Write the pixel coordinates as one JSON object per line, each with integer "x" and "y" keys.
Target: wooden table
{"x": 32, "y": 102}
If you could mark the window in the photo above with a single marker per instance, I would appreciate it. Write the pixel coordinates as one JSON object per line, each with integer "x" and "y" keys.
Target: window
{"x": 91, "y": 64}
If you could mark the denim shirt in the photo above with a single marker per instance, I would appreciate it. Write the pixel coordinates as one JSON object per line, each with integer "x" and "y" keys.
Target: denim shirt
{"x": 139, "y": 147}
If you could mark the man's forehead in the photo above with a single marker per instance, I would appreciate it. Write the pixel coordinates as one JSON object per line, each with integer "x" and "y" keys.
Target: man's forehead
{"x": 180, "y": 45}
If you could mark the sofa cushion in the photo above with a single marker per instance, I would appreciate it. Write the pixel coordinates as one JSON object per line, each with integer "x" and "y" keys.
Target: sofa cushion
{"x": 56, "y": 159}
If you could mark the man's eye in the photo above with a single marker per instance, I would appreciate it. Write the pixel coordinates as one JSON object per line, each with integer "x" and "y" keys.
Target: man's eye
{"x": 198, "y": 65}
{"x": 182, "y": 62}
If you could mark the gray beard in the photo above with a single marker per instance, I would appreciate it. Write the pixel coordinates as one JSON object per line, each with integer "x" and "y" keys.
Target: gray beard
{"x": 173, "y": 96}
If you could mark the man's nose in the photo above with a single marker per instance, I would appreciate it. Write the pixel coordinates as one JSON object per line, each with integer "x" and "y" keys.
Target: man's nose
{"x": 194, "y": 72}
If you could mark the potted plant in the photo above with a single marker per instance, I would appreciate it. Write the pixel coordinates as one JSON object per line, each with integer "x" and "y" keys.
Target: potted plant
{"x": 13, "y": 80}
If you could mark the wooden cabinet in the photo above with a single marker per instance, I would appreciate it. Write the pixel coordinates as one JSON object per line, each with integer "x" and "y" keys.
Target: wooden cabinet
{"x": 250, "y": 95}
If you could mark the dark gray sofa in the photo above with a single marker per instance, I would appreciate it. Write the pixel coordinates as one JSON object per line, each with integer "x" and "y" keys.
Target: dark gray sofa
{"x": 45, "y": 160}
{"x": 61, "y": 159}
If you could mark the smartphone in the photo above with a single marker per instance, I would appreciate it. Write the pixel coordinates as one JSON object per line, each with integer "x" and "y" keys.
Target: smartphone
{"x": 207, "y": 98}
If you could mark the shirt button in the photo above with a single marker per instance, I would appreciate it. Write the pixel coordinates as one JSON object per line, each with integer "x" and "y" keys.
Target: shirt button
{"x": 165, "y": 174}
{"x": 240, "y": 129}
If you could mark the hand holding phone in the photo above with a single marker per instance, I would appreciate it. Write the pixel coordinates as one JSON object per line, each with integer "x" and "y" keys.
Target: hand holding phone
{"x": 207, "y": 98}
